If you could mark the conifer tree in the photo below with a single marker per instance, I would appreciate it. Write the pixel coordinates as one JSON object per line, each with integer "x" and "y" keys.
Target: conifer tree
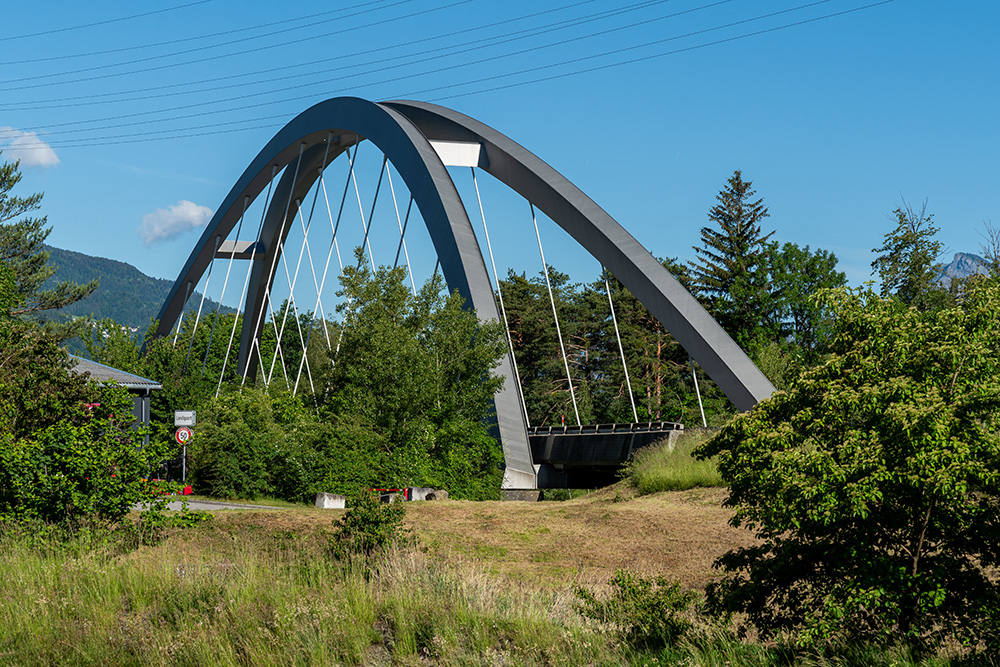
{"x": 22, "y": 240}
{"x": 731, "y": 273}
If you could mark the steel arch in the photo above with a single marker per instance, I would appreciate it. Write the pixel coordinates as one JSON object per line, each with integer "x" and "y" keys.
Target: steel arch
{"x": 402, "y": 130}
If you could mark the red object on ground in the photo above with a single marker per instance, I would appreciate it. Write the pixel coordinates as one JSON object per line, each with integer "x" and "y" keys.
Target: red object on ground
{"x": 187, "y": 490}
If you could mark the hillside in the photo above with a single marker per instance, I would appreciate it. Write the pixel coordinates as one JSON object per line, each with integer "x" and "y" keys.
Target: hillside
{"x": 126, "y": 294}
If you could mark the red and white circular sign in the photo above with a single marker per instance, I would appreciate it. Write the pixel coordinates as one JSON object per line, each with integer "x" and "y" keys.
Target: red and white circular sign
{"x": 183, "y": 434}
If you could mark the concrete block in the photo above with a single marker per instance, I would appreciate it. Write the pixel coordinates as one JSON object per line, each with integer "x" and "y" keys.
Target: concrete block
{"x": 392, "y": 497}
{"x": 330, "y": 501}
{"x": 528, "y": 495}
{"x": 440, "y": 494}
{"x": 420, "y": 492}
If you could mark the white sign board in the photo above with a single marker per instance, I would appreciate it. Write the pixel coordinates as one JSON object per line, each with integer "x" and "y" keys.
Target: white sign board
{"x": 184, "y": 418}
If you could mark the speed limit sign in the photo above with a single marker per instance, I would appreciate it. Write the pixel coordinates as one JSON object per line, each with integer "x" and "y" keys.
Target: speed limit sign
{"x": 183, "y": 434}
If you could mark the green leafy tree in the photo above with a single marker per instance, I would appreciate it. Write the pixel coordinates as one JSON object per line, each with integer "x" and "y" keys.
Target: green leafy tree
{"x": 797, "y": 274}
{"x": 22, "y": 240}
{"x": 873, "y": 484}
{"x": 731, "y": 271}
{"x": 908, "y": 259}
{"x": 419, "y": 372}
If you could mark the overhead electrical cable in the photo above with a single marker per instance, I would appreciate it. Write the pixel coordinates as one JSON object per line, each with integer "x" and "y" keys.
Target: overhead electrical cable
{"x": 215, "y": 57}
{"x": 104, "y": 22}
{"x": 103, "y": 141}
{"x": 181, "y": 40}
{"x": 463, "y": 64}
{"x": 62, "y": 102}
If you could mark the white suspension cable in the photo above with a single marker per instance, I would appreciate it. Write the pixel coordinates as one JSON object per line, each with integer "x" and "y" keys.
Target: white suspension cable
{"x": 503, "y": 310}
{"x": 552, "y": 300}
{"x": 399, "y": 222}
{"x": 336, "y": 244}
{"x": 204, "y": 293}
{"x": 402, "y": 235}
{"x": 180, "y": 318}
{"x": 246, "y": 282}
{"x": 621, "y": 349}
{"x": 270, "y": 274}
{"x": 697, "y": 391}
{"x": 361, "y": 208}
{"x": 368, "y": 225}
{"x": 225, "y": 283}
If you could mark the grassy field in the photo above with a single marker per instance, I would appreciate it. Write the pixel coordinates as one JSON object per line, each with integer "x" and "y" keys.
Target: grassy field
{"x": 488, "y": 583}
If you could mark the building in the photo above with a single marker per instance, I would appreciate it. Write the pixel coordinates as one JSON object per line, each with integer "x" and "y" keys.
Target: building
{"x": 139, "y": 387}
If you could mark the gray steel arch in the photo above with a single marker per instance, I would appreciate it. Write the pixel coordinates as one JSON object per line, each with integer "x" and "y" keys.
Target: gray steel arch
{"x": 606, "y": 240}
{"x": 402, "y": 130}
{"x": 349, "y": 120}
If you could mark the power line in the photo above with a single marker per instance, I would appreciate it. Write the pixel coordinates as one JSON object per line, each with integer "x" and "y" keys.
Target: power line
{"x": 496, "y": 41}
{"x": 209, "y": 58}
{"x": 101, "y": 141}
{"x": 104, "y": 22}
{"x": 383, "y": 81}
{"x": 181, "y": 40}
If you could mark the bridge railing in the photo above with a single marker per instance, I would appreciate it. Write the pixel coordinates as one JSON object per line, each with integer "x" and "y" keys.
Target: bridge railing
{"x": 601, "y": 429}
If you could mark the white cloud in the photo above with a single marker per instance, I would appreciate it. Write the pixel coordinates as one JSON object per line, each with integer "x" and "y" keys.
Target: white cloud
{"x": 26, "y": 147}
{"x": 166, "y": 223}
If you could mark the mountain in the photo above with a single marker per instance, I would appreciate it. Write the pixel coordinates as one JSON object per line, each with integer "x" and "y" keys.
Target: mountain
{"x": 963, "y": 265}
{"x": 126, "y": 294}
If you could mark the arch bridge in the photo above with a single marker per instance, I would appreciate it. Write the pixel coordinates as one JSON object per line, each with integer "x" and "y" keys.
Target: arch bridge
{"x": 421, "y": 141}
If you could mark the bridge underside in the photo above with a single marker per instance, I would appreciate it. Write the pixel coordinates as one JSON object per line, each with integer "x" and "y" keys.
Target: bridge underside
{"x": 587, "y": 457}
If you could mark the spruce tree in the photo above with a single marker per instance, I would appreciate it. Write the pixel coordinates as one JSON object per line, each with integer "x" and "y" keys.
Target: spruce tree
{"x": 22, "y": 248}
{"x": 731, "y": 272}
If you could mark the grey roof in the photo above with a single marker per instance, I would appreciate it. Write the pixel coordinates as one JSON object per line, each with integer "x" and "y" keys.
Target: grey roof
{"x": 106, "y": 373}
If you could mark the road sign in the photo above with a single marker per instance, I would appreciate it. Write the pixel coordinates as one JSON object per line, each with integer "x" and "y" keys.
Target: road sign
{"x": 183, "y": 434}
{"x": 184, "y": 418}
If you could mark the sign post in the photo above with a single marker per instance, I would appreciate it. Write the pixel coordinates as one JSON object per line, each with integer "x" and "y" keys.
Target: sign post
{"x": 184, "y": 420}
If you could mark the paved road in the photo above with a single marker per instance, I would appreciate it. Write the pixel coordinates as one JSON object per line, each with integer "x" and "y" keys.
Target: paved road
{"x": 211, "y": 505}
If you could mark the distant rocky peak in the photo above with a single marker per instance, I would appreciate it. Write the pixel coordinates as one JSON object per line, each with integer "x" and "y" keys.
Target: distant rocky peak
{"x": 964, "y": 264}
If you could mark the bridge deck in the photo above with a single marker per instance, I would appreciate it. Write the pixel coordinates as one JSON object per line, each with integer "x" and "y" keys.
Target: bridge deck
{"x": 590, "y": 455}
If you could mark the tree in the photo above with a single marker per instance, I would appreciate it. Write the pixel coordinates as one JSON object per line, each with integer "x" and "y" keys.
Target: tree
{"x": 731, "y": 270}
{"x": 418, "y": 371}
{"x": 907, "y": 263}
{"x": 797, "y": 274}
{"x": 22, "y": 240}
{"x": 873, "y": 484}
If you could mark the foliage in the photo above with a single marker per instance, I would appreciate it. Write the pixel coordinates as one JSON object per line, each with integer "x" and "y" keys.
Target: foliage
{"x": 797, "y": 274}
{"x": 874, "y": 482}
{"x": 418, "y": 371}
{"x": 731, "y": 273}
{"x": 369, "y": 527}
{"x": 22, "y": 249}
{"x": 664, "y": 466}
{"x": 907, "y": 263}
{"x": 648, "y": 612}
{"x": 89, "y": 466}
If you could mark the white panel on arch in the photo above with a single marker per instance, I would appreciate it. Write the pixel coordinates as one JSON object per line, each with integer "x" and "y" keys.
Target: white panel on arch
{"x": 460, "y": 153}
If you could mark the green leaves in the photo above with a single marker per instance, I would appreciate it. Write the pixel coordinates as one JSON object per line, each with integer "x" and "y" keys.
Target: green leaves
{"x": 874, "y": 481}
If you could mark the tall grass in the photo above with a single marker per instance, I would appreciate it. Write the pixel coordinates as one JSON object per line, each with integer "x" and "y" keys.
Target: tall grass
{"x": 661, "y": 467}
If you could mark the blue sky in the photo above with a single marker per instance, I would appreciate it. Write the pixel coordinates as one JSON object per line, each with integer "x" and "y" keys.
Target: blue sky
{"x": 835, "y": 120}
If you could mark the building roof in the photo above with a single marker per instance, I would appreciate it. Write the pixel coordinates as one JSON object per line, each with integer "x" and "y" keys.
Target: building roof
{"x": 107, "y": 373}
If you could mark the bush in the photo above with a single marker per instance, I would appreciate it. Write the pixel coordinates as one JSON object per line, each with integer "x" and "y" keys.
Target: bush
{"x": 662, "y": 468}
{"x": 368, "y": 527}
{"x": 648, "y": 612}
{"x": 873, "y": 484}
{"x": 88, "y": 467}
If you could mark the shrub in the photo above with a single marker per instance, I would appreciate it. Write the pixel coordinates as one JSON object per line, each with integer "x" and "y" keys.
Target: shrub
{"x": 368, "y": 527}
{"x": 662, "y": 468}
{"x": 648, "y": 612}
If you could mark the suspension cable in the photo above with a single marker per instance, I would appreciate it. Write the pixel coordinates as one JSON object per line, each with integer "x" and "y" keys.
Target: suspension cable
{"x": 246, "y": 282}
{"x": 399, "y": 222}
{"x": 225, "y": 283}
{"x": 697, "y": 391}
{"x": 503, "y": 310}
{"x": 555, "y": 315}
{"x": 180, "y": 318}
{"x": 361, "y": 208}
{"x": 270, "y": 275}
{"x": 368, "y": 225}
{"x": 621, "y": 349}
{"x": 204, "y": 293}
